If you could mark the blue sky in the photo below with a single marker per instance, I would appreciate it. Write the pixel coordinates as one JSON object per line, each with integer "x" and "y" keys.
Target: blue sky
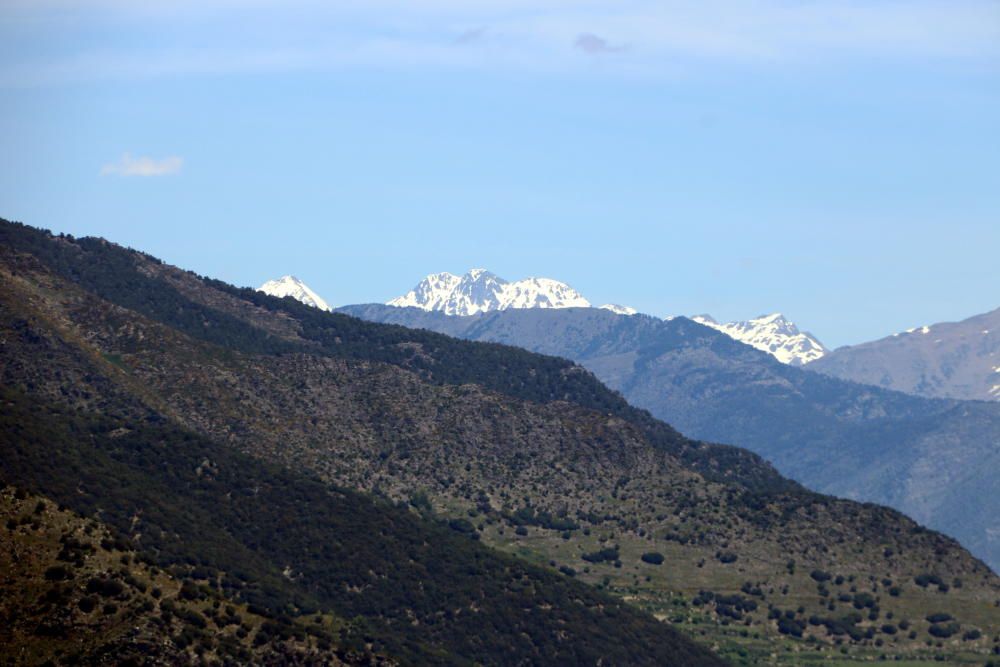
{"x": 836, "y": 161}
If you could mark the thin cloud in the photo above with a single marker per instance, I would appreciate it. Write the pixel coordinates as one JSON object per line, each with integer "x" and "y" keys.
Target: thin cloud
{"x": 655, "y": 37}
{"x": 471, "y": 36}
{"x": 590, "y": 43}
{"x": 143, "y": 166}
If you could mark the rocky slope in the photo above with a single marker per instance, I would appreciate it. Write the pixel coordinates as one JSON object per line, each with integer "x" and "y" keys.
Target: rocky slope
{"x": 947, "y": 360}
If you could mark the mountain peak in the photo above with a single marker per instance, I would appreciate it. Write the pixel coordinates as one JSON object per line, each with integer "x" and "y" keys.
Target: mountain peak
{"x": 480, "y": 291}
{"x": 774, "y": 334}
{"x": 291, "y": 286}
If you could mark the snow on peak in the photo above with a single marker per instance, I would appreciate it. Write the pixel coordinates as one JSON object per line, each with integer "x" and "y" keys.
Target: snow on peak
{"x": 480, "y": 291}
{"x": 295, "y": 288}
{"x": 773, "y": 334}
{"x": 619, "y": 309}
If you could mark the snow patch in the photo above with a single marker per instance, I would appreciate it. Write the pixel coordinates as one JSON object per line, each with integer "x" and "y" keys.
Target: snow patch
{"x": 619, "y": 309}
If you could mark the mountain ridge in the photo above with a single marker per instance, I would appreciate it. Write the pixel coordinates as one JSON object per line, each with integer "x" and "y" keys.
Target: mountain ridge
{"x": 958, "y": 360}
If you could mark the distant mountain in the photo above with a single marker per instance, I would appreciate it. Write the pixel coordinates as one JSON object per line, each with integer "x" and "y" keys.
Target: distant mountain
{"x": 947, "y": 360}
{"x": 480, "y": 291}
{"x": 934, "y": 459}
{"x": 773, "y": 334}
{"x": 295, "y": 288}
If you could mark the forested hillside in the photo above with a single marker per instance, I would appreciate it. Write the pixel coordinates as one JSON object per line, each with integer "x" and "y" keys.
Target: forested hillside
{"x": 243, "y": 427}
{"x": 930, "y": 458}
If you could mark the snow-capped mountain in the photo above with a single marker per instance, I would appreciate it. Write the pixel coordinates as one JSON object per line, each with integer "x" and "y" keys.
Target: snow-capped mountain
{"x": 480, "y": 291}
{"x": 773, "y": 334}
{"x": 295, "y": 288}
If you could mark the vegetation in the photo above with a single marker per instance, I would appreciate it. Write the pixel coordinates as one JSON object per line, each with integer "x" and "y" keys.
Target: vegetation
{"x": 73, "y": 593}
{"x": 288, "y": 545}
{"x": 145, "y": 394}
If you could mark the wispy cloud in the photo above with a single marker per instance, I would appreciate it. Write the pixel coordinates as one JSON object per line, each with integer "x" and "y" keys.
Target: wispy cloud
{"x": 472, "y": 35}
{"x": 143, "y": 166}
{"x": 534, "y": 35}
{"x": 590, "y": 43}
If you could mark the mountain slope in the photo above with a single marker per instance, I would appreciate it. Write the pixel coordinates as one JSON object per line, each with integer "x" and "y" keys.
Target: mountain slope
{"x": 926, "y": 457}
{"x": 84, "y": 423}
{"x": 295, "y": 288}
{"x": 523, "y": 452}
{"x": 947, "y": 360}
{"x": 773, "y": 334}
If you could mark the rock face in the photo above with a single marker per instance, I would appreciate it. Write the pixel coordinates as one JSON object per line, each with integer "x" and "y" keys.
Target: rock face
{"x": 947, "y": 360}
{"x": 773, "y": 334}
{"x": 927, "y": 457}
{"x": 480, "y": 291}
{"x": 295, "y": 288}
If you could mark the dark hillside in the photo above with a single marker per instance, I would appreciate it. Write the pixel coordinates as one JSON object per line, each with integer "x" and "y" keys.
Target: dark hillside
{"x": 293, "y": 546}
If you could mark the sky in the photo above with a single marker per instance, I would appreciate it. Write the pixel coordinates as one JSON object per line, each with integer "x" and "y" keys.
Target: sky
{"x": 838, "y": 161}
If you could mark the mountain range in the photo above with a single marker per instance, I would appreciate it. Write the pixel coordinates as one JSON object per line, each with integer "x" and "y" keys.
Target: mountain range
{"x": 415, "y": 498}
{"x": 479, "y": 291}
{"x": 947, "y": 360}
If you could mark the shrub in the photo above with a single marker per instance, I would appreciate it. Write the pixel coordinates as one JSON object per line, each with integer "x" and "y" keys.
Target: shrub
{"x": 105, "y": 587}
{"x": 820, "y": 575}
{"x": 606, "y": 554}
{"x": 461, "y": 526}
{"x": 943, "y": 631}
{"x": 653, "y": 558}
{"x": 925, "y": 580}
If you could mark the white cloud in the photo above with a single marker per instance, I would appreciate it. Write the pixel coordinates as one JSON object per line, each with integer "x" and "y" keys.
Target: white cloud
{"x": 143, "y": 166}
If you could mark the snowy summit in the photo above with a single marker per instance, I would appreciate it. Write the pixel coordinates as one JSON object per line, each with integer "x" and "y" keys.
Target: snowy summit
{"x": 480, "y": 291}
{"x": 773, "y": 334}
{"x": 295, "y": 288}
